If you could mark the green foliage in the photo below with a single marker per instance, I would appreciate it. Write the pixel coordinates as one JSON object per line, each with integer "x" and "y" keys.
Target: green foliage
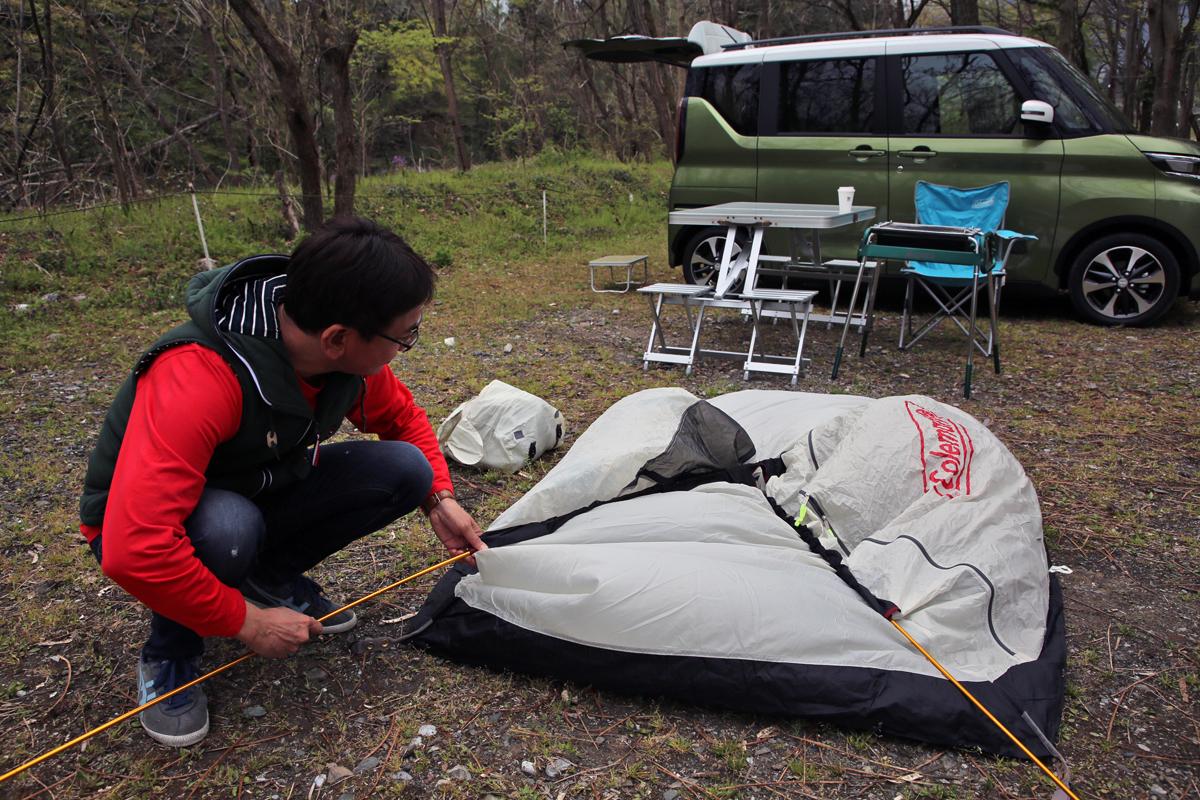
{"x": 405, "y": 49}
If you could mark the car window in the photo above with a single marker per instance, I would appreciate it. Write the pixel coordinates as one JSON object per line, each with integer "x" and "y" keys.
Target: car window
{"x": 958, "y": 94}
{"x": 1044, "y": 85}
{"x": 732, "y": 91}
{"x": 1079, "y": 107}
{"x": 830, "y": 96}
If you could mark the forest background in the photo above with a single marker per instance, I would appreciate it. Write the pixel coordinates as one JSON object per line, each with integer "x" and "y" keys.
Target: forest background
{"x": 105, "y": 100}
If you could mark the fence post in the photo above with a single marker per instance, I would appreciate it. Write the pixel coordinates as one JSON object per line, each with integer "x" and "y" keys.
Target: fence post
{"x": 208, "y": 262}
{"x": 544, "y": 240}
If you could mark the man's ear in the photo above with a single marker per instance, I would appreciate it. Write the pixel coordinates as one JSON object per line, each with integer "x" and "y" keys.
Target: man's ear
{"x": 333, "y": 341}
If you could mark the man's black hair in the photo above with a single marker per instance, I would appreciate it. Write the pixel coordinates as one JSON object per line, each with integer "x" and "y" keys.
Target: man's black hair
{"x": 354, "y": 272}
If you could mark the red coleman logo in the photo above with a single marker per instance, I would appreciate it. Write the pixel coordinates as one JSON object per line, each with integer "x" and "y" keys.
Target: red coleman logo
{"x": 946, "y": 451}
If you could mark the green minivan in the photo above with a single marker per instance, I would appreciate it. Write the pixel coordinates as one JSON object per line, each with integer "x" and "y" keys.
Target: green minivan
{"x": 1117, "y": 215}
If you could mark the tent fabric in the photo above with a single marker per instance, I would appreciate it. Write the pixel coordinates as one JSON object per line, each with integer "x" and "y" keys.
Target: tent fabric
{"x": 501, "y": 428}
{"x": 659, "y": 556}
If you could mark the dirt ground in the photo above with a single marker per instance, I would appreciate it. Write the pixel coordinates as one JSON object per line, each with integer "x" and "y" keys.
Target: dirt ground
{"x": 1105, "y": 421}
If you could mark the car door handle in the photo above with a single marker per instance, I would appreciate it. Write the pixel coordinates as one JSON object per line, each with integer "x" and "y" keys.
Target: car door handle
{"x": 918, "y": 153}
{"x": 863, "y": 152}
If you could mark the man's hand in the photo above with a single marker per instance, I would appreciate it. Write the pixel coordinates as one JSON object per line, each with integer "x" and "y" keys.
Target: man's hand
{"x": 455, "y": 527}
{"x": 276, "y": 632}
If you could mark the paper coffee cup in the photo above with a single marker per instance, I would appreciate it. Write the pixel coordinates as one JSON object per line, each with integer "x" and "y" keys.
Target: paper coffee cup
{"x": 845, "y": 198}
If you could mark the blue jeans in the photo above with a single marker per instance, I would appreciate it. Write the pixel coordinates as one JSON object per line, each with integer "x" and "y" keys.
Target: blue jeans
{"x": 357, "y": 488}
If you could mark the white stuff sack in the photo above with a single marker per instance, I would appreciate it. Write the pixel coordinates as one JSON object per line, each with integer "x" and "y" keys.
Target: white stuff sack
{"x": 501, "y": 428}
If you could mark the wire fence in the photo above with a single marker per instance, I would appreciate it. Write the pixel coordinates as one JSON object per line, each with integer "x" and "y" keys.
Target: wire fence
{"x": 403, "y": 194}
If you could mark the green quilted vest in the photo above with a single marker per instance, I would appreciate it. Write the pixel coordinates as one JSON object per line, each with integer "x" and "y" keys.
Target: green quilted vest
{"x": 269, "y": 450}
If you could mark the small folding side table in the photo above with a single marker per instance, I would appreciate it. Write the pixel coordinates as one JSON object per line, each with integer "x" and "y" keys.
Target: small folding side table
{"x": 628, "y": 263}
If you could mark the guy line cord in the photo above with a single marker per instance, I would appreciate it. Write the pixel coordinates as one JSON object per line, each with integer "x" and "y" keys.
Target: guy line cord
{"x": 224, "y": 667}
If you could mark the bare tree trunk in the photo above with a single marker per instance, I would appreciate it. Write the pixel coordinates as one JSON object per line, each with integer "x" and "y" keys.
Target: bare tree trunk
{"x": 51, "y": 71}
{"x": 1070, "y": 34}
{"x": 19, "y": 42}
{"x": 111, "y": 129}
{"x": 135, "y": 80}
{"x": 443, "y": 47}
{"x": 296, "y": 108}
{"x": 337, "y": 45}
{"x": 216, "y": 71}
{"x": 1191, "y": 74}
{"x": 966, "y": 12}
{"x": 643, "y": 18}
{"x": 1133, "y": 65}
{"x": 1168, "y": 45}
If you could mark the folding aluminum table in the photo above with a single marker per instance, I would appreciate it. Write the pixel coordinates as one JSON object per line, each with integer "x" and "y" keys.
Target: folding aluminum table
{"x": 743, "y": 270}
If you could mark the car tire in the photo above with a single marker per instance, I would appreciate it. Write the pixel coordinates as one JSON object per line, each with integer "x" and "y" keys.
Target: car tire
{"x": 702, "y": 255}
{"x": 1124, "y": 279}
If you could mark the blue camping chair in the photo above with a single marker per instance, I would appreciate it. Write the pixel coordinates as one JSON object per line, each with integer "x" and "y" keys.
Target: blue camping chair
{"x": 956, "y": 249}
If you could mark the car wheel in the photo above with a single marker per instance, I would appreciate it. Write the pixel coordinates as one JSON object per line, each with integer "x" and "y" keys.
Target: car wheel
{"x": 702, "y": 255}
{"x": 1124, "y": 279}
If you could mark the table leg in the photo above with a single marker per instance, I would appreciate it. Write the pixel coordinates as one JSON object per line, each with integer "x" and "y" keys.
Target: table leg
{"x": 695, "y": 336}
{"x": 800, "y": 333}
{"x": 655, "y": 328}
{"x": 755, "y": 318}
{"x": 869, "y": 309}
{"x": 837, "y": 356}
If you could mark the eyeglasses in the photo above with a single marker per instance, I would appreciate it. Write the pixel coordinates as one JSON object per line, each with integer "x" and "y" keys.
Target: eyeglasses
{"x": 407, "y": 342}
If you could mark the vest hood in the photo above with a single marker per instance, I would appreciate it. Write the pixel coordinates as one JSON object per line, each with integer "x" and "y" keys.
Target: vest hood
{"x": 236, "y": 305}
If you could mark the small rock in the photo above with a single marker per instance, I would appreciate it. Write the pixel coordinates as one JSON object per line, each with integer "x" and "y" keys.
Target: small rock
{"x": 557, "y": 767}
{"x": 670, "y": 794}
{"x": 415, "y": 744}
{"x": 316, "y": 674}
{"x": 449, "y": 341}
{"x": 508, "y": 348}
{"x": 427, "y": 730}
{"x": 347, "y": 796}
{"x": 459, "y": 773}
{"x": 254, "y": 712}
{"x": 318, "y": 781}
{"x": 52, "y": 297}
{"x": 616, "y": 312}
{"x": 762, "y": 750}
{"x": 1158, "y": 791}
{"x": 528, "y": 768}
{"x": 444, "y": 783}
{"x": 367, "y": 764}
{"x": 402, "y": 776}
{"x": 336, "y": 772}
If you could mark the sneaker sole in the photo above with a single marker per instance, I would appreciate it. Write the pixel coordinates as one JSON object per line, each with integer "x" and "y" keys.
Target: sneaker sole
{"x": 183, "y": 740}
{"x": 341, "y": 627}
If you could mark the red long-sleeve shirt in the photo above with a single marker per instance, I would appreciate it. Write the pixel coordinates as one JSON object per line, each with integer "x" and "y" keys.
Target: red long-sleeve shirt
{"x": 186, "y": 404}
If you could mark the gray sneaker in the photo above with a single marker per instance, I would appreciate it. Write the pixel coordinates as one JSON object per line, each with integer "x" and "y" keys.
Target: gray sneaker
{"x": 178, "y": 721}
{"x": 302, "y": 595}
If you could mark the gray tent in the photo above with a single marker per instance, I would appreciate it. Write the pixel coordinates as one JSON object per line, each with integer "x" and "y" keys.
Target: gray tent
{"x": 745, "y": 552}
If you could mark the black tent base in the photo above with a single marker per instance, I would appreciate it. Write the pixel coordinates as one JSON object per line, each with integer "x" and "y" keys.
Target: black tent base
{"x": 920, "y": 707}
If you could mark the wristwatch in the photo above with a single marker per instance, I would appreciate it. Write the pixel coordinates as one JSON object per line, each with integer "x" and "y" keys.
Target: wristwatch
{"x": 434, "y": 499}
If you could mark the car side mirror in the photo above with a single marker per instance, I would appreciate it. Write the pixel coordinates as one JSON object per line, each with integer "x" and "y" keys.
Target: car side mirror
{"x": 1037, "y": 111}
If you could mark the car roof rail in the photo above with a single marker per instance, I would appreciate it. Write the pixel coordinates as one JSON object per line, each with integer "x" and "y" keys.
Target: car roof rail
{"x": 832, "y": 37}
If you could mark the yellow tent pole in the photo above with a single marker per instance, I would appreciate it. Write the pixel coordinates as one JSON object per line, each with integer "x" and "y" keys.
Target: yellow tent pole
{"x": 135, "y": 711}
{"x": 1058, "y": 781}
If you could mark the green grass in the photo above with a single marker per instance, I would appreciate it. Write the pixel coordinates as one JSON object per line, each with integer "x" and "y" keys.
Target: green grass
{"x": 127, "y": 270}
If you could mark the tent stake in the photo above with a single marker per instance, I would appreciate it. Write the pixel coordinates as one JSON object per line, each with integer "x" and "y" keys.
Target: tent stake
{"x": 1058, "y": 781}
{"x": 133, "y": 712}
